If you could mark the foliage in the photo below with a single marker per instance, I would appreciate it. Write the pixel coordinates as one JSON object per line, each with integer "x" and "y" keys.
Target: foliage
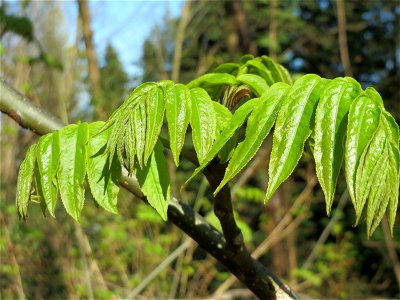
{"x": 359, "y": 132}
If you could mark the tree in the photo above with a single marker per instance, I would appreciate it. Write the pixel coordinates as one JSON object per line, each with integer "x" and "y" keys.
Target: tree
{"x": 257, "y": 91}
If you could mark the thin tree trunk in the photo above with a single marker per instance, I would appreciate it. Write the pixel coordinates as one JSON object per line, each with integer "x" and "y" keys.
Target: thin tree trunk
{"x": 273, "y": 45}
{"x": 344, "y": 50}
{"x": 93, "y": 68}
{"x": 180, "y": 35}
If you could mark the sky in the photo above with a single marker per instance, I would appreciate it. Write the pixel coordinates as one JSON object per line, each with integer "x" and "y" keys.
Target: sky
{"x": 124, "y": 24}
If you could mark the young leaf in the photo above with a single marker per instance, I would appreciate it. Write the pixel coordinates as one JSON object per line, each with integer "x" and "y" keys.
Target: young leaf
{"x": 230, "y": 68}
{"x": 130, "y": 145}
{"x": 223, "y": 116}
{"x": 155, "y": 107}
{"x": 212, "y": 79}
{"x": 103, "y": 181}
{"x": 363, "y": 120}
{"x": 203, "y": 122}
{"x": 293, "y": 127}
{"x": 178, "y": 112}
{"x": 257, "y": 67}
{"x": 279, "y": 73}
{"x": 237, "y": 120}
{"x": 330, "y": 131}
{"x": 256, "y": 83}
{"x": 154, "y": 181}
{"x": 25, "y": 177}
{"x": 139, "y": 115}
{"x": 259, "y": 124}
{"x": 48, "y": 158}
{"x": 371, "y": 165}
{"x": 72, "y": 170}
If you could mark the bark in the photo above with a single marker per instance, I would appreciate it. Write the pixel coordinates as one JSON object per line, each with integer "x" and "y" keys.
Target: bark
{"x": 230, "y": 253}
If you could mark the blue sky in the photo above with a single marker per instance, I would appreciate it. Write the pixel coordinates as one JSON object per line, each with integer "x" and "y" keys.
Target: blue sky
{"x": 124, "y": 24}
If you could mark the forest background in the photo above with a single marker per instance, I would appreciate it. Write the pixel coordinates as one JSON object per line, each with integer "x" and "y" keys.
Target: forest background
{"x": 108, "y": 256}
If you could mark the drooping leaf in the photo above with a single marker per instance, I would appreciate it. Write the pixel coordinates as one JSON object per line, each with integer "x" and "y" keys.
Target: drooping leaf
{"x": 237, "y": 120}
{"x": 259, "y": 125}
{"x": 48, "y": 158}
{"x": 278, "y": 72}
{"x": 330, "y": 131}
{"x": 293, "y": 127}
{"x": 25, "y": 177}
{"x": 178, "y": 112}
{"x": 203, "y": 122}
{"x": 39, "y": 189}
{"x": 72, "y": 170}
{"x": 103, "y": 181}
{"x": 140, "y": 131}
{"x": 211, "y": 79}
{"x": 363, "y": 120}
{"x": 256, "y": 83}
{"x": 154, "y": 181}
{"x": 223, "y": 116}
{"x": 130, "y": 145}
{"x": 155, "y": 107}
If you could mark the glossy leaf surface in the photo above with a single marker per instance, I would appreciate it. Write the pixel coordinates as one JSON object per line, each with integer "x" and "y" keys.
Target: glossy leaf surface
{"x": 72, "y": 170}
{"x": 293, "y": 127}
{"x": 256, "y": 83}
{"x": 48, "y": 159}
{"x": 154, "y": 181}
{"x": 25, "y": 177}
{"x": 330, "y": 132}
{"x": 213, "y": 79}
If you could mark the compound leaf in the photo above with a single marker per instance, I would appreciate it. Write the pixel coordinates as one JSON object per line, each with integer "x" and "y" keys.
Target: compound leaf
{"x": 213, "y": 79}
{"x": 72, "y": 170}
{"x": 256, "y": 83}
{"x": 259, "y": 125}
{"x": 203, "y": 122}
{"x": 293, "y": 127}
{"x": 330, "y": 131}
{"x": 48, "y": 159}
{"x": 154, "y": 181}
{"x": 178, "y": 112}
{"x": 103, "y": 181}
{"x": 139, "y": 118}
{"x": 25, "y": 177}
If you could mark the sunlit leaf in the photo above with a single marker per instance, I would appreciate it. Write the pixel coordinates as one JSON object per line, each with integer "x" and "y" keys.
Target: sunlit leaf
{"x": 48, "y": 158}
{"x": 237, "y": 120}
{"x": 72, "y": 170}
{"x": 154, "y": 181}
{"x": 155, "y": 107}
{"x": 25, "y": 177}
{"x": 259, "y": 125}
{"x": 257, "y": 67}
{"x": 363, "y": 120}
{"x": 230, "y": 68}
{"x": 178, "y": 112}
{"x": 103, "y": 181}
{"x": 330, "y": 132}
{"x": 211, "y": 79}
{"x": 140, "y": 131}
{"x": 293, "y": 127}
{"x": 203, "y": 122}
{"x": 256, "y": 83}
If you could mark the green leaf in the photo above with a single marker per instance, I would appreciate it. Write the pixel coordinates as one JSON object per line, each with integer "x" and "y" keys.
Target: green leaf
{"x": 223, "y": 116}
{"x": 139, "y": 115}
{"x": 72, "y": 170}
{"x": 48, "y": 158}
{"x": 230, "y": 68}
{"x": 155, "y": 107}
{"x": 257, "y": 67}
{"x": 237, "y": 120}
{"x": 203, "y": 122}
{"x": 39, "y": 190}
{"x": 371, "y": 166}
{"x": 363, "y": 120}
{"x": 259, "y": 125}
{"x": 293, "y": 127}
{"x": 25, "y": 177}
{"x": 178, "y": 111}
{"x": 256, "y": 83}
{"x": 212, "y": 79}
{"x": 379, "y": 195}
{"x": 278, "y": 72}
{"x": 154, "y": 181}
{"x": 103, "y": 181}
{"x": 330, "y": 131}
{"x": 130, "y": 145}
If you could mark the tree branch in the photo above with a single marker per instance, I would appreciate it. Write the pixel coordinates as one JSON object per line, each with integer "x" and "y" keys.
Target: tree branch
{"x": 255, "y": 276}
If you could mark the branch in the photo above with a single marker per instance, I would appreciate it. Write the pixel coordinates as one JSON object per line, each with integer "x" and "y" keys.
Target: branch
{"x": 255, "y": 276}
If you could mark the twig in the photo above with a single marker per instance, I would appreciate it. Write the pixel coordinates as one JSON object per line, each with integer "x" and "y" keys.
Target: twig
{"x": 391, "y": 250}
